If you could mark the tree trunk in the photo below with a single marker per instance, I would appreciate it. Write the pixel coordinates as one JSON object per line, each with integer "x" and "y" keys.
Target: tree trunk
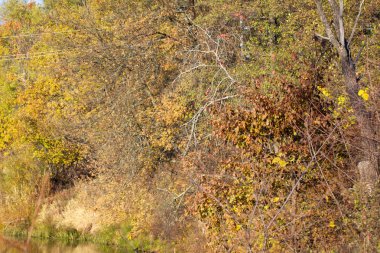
{"x": 369, "y": 163}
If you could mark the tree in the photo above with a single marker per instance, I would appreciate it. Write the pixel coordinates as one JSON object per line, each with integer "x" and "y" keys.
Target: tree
{"x": 336, "y": 35}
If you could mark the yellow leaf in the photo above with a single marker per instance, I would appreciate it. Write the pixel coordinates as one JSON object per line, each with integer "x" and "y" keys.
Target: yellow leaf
{"x": 324, "y": 91}
{"x": 363, "y": 94}
{"x": 282, "y": 163}
{"x": 275, "y": 200}
{"x": 279, "y": 161}
{"x": 276, "y": 160}
{"x": 341, "y": 100}
{"x": 332, "y": 224}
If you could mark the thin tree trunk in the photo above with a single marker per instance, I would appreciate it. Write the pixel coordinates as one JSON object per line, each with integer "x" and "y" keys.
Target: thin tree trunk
{"x": 369, "y": 159}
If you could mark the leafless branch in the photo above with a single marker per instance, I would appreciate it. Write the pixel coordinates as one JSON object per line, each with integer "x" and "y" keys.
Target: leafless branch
{"x": 356, "y": 22}
{"x": 190, "y": 70}
{"x": 213, "y": 48}
{"x": 359, "y": 54}
{"x": 320, "y": 37}
{"x": 338, "y": 22}
{"x": 314, "y": 155}
{"x": 311, "y": 162}
{"x": 341, "y": 23}
{"x": 194, "y": 120}
{"x": 329, "y": 32}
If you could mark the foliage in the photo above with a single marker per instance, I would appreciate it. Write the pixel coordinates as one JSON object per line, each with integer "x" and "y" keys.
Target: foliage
{"x": 218, "y": 126}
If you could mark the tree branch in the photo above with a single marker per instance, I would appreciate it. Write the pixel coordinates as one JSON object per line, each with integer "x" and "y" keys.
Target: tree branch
{"x": 356, "y": 23}
{"x": 334, "y": 8}
{"x": 341, "y": 24}
{"x": 359, "y": 54}
{"x": 338, "y": 19}
{"x": 329, "y": 32}
{"x": 321, "y": 38}
{"x": 311, "y": 163}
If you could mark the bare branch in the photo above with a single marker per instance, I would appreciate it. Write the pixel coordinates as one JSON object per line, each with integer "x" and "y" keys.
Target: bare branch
{"x": 356, "y": 22}
{"x": 314, "y": 154}
{"x": 321, "y": 38}
{"x": 341, "y": 24}
{"x": 335, "y": 9}
{"x": 311, "y": 162}
{"x": 329, "y": 32}
{"x": 338, "y": 19}
{"x": 190, "y": 70}
{"x": 195, "y": 119}
{"x": 359, "y": 54}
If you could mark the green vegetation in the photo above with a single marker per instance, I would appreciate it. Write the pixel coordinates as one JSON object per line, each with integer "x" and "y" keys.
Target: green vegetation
{"x": 192, "y": 126}
{"x": 115, "y": 236}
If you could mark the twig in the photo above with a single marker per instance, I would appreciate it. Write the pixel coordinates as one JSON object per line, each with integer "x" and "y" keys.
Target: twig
{"x": 360, "y": 52}
{"x": 298, "y": 181}
{"x": 196, "y": 117}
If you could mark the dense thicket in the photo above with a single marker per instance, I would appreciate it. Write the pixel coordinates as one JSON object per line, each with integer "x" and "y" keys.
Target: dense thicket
{"x": 221, "y": 126}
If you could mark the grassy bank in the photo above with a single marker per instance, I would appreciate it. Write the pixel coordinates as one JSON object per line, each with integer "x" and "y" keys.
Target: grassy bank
{"x": 116, "y": 236}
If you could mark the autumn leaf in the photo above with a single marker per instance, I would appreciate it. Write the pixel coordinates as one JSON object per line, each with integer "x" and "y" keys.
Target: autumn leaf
{"x": 363, "y": 94}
